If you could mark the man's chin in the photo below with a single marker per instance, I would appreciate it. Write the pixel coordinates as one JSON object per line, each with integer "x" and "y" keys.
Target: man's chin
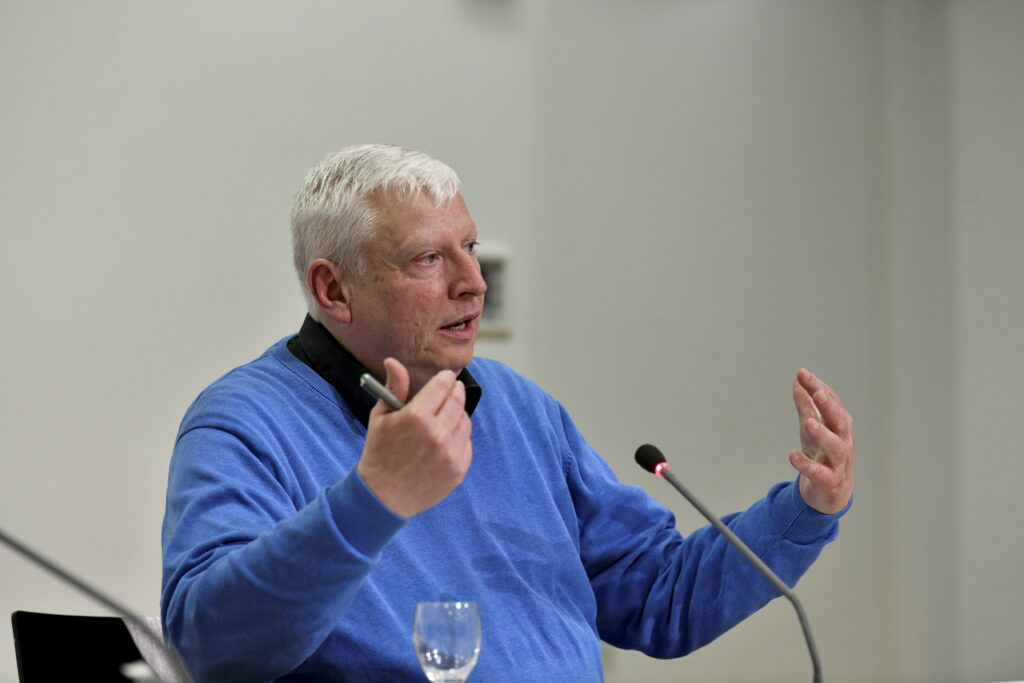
{"x": 424, "y": 373}
{"x": 457, "y": 359}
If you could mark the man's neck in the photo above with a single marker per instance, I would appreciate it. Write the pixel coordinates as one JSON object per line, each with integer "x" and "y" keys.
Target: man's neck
{"x": 319, "y": 349}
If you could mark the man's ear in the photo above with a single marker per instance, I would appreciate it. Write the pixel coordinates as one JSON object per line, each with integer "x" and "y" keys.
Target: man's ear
{"x": 329, "y": 285}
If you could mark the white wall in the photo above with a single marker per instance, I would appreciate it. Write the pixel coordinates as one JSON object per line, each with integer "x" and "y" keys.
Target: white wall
{"x": 714, "y": 229}
{"x": 149, "y": 155}
{"x": 699, "y": 197}
{"x": 916, "y": 288}
{"x": 988, "y": 148}
{"x": 955, "y": 327}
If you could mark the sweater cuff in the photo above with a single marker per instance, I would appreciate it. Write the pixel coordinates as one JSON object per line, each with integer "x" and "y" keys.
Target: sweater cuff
{"x": 797, "y": 521}
{"x": 362, "y": 520}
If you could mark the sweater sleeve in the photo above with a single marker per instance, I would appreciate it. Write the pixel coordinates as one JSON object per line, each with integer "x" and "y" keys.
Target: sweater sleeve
{"x": 665, "y": 594}
{"x": 246, "y": 570}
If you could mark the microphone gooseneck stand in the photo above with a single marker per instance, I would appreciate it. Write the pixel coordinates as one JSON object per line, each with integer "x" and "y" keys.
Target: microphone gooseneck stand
{"x": 651, "y": 459}
{"x": 109, "y": 603}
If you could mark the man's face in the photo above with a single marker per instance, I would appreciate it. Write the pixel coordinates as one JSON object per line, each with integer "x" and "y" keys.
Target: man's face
{"x": 420, "y": 296}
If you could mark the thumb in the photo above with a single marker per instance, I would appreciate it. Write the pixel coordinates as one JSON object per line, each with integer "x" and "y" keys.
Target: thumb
{"x": 397, "y": 379}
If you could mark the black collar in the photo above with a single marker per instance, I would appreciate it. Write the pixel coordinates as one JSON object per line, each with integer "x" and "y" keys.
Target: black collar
{"x": 317, "y": 348}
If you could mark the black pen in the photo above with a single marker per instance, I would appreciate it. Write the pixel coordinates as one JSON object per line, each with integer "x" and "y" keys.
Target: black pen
{"x": 378, "y": 390}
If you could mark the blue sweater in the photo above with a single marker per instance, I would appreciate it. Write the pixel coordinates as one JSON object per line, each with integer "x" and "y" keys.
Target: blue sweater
{"x": 280, "y": 564}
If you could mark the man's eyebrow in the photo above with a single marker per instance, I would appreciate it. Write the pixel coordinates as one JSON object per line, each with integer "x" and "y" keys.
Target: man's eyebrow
{"x": 419, "y": 244}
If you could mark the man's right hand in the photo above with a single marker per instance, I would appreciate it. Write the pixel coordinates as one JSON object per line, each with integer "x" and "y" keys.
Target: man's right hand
{"x": 416, "y": 456}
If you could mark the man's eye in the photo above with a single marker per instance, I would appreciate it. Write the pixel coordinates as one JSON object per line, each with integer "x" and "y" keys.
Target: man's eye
{"x": 430, "y": 259}
{"x": 471, "y": 247}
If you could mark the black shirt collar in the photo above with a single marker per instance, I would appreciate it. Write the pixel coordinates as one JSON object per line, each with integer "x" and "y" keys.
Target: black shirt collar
{"x": 317, "y": 348}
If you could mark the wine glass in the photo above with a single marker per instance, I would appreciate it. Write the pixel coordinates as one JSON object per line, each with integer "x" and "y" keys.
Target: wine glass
{"x": 446, "y": 636}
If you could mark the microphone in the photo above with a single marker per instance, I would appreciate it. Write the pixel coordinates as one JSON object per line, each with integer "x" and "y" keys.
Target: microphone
{"x": 651, "y": 459}
{"x": 155, "y": 639}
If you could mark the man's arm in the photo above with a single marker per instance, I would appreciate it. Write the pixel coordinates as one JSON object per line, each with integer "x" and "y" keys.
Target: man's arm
{"x": 254, "y": 585}
{"x": 666, "y": 594}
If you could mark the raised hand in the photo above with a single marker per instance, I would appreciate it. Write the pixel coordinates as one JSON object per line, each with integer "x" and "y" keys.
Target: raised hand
{"x": 828, "y": 455}
{"x": 416, "y": 456}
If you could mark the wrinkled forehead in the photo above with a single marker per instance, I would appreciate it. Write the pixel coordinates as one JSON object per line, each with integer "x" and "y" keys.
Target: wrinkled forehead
{"x": 403, "y": 218}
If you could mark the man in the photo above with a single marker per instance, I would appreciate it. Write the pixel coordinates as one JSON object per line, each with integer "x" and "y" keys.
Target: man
{"x": 304, "y": 522}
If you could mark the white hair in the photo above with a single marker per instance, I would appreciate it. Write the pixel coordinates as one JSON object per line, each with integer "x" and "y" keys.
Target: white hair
{"x": 333, "y": 216}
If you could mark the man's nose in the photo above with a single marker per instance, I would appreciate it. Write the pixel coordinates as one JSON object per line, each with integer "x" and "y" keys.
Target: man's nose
{"x": 468, "y": 280}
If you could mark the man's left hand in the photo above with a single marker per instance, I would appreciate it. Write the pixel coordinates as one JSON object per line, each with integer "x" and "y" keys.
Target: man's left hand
{"x": 826, "y": 463}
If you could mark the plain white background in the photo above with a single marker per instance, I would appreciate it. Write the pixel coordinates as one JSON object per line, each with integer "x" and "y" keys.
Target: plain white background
{"x": 698, "y": 197}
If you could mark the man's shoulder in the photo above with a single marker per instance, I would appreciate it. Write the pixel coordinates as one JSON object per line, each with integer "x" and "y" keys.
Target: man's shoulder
{"x": 491, "y": 372}
{"x": 261, "y": 369}
{"x": 498, "y": 379}
{"x": 274, "y": 377}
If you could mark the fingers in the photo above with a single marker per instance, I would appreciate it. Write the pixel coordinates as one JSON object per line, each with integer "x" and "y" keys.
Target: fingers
{"x": 430, "y": 399}
{"x": 440, "y": 403}
{"x": 819, "y": 442}
{"x": 814, "y": 398}
{"x": 810, "y": 382}
{"x": 807, "y": 466}
{"x": 414, "y": 457}
{"x": 827, "y": 401}
{"x": 834, "y": 415}
{"x": 827, "y": 455}
{"x": 454, "y": 407}
{"x": 805, "y": 406}
{"x": 441, "y": 406}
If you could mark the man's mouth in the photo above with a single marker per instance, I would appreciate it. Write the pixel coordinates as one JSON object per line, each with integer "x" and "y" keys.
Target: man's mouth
{"x": 461, "y": 324}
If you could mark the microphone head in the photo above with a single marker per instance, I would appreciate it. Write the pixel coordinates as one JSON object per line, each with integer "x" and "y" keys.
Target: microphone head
{"x": 649, "y": 457}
